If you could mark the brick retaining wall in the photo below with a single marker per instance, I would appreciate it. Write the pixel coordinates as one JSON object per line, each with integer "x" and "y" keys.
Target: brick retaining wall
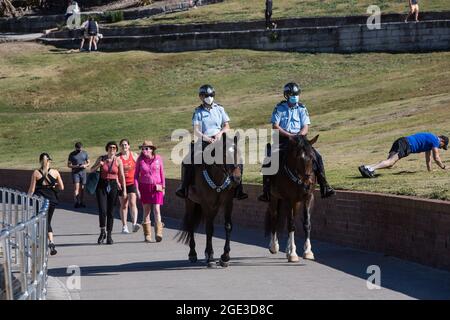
{"x": 405, "y": 227}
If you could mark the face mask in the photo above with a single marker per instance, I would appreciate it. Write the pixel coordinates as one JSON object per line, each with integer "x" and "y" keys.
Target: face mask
{"x": 293, "y": 99}
{"x": 208, "y": 100}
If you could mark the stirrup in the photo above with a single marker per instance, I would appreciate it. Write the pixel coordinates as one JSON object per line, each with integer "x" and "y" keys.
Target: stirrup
{"x": 327, "y": 192}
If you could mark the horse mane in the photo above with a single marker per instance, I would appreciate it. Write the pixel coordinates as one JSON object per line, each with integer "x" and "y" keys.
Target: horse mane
{"x": 302, "y": 143}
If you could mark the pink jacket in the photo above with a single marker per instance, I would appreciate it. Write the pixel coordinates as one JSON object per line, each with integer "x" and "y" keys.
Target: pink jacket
{"x": 150, "y": 171}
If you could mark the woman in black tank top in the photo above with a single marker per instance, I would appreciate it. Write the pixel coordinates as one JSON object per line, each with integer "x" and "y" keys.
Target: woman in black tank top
{"x": 44, "y": 183}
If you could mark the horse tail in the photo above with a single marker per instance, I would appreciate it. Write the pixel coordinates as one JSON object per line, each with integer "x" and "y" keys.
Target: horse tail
{"x": 192, "y": 219}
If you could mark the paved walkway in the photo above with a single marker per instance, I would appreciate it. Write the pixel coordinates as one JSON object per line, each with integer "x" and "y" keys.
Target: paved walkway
{"x": 19, "y": 37}
{"x": 132, "y": 269}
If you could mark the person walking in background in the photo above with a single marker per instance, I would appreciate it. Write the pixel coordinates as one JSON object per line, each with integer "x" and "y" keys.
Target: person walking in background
{"x": 404, "y": 146}
{"x": 150, "y": 179}
{"x": 413, "y": 10}
{"x": 112, "y": 180}
{"x": 44, "y": 183}
{"x": 85, "y": 34}
{"x": 78, "y": 161}
{"x": 128, "y": 159}
{"x": 268, "y": 14}
{"x": 93, "y": 30}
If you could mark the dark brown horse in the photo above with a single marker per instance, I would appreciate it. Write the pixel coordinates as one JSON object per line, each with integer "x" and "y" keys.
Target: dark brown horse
{"x": 214, "y": 187}
{"x": 292, "y": 192}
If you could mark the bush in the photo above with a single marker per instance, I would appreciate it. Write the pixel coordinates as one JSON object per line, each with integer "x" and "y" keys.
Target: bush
{"x": 114, "y": 16}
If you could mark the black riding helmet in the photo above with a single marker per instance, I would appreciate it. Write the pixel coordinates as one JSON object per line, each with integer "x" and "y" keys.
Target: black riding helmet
{"x": 291, "y": 89}
{"x": 207, "y": 90}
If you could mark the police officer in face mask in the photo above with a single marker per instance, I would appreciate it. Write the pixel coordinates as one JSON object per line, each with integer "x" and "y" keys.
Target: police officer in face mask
{"x": 210, "y": 122}
{"x": 291, "y": 118}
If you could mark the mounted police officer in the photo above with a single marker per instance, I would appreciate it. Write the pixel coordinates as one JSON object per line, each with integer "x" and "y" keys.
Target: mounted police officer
{"x": 291, "y": 118}
{"x": 210, "y": 121}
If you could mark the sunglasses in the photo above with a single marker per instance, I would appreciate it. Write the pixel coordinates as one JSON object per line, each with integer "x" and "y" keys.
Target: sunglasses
{"x": 112, "y": 147}
{"x": 146, "y": 148}
{"x": 207, "y": 95}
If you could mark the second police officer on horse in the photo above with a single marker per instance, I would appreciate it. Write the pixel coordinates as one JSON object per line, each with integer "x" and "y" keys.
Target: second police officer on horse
{"x": 291, "y": 118}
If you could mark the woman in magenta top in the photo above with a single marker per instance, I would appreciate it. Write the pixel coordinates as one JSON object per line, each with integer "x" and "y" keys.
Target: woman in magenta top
{"x": 150, "y": 180}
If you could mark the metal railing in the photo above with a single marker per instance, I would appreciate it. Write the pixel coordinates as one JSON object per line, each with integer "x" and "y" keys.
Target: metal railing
{"x": 23, "y": 246}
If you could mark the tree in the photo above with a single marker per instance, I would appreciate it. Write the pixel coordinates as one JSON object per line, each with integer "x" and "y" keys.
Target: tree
{"x": 7, "y": 9}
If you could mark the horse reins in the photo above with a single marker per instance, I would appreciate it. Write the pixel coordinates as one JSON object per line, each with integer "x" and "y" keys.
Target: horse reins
{"x": 296, "y": 179}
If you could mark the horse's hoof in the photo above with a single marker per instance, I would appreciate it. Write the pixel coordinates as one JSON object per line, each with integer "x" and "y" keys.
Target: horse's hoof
{"x": 212, "y": 264}
{"x": 273, "y": 250}
{"x": 293, "y": 259}
{"x": 224, "y": 264}
{"x": 308, "y": 255}
{"x": 193, "y": 259}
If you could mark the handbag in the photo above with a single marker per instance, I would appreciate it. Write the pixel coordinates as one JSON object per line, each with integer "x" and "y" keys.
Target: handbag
{"x": 92, "y": 182}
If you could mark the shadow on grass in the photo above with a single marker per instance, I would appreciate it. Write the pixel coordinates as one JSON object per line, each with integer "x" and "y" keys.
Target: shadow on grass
{"x": 404, "y": 172}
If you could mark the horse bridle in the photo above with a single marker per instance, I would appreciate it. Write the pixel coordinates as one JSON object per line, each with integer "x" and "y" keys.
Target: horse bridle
{"x": 294, "y": 178}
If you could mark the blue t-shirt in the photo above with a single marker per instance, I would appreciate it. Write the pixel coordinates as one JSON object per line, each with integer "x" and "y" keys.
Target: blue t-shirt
{"x": 422, "y": 142}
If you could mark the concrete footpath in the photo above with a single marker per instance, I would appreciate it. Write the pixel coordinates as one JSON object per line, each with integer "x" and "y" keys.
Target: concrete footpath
{"x": 132, "y": 269}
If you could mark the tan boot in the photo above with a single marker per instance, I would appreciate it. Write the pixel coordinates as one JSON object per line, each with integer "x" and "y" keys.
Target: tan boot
{"x": 158, "y": 231}
{"x": 147, "y": 232}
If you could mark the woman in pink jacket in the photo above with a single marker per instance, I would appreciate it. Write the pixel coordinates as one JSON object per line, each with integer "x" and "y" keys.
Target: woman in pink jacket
{"x": 150, "y": 180}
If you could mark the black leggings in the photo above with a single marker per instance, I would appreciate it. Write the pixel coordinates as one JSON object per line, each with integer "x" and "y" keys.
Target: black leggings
{"x": 51, "y": 210}
{"x": 106, "y": 201}
{"x": 268, "y": 15}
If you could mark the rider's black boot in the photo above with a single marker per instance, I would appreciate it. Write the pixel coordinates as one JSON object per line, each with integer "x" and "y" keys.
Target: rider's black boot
{"x": 239, "y": 193}
{"x": 325, "y": 189}
{"x": 265, "y": 197}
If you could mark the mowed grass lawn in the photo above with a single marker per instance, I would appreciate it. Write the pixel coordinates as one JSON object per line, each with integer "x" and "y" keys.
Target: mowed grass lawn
{"x": 359, "y": 105}
{"x": 243, "y": 10}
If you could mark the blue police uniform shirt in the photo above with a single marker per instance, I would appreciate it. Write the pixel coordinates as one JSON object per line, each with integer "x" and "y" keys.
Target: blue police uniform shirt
{"x": 210, "y": 121}
{"x": 290, "y": 119}
{"x": 422, "y": 142}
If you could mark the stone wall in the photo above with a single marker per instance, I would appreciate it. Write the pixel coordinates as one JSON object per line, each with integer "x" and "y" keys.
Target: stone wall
{"x": 392, "y": 37}
{"x": 31, "y": 24}
{"x": 405, "y": 227}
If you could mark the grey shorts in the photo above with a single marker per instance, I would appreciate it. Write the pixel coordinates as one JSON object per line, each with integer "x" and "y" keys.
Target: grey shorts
{"x": 79, "y": 177}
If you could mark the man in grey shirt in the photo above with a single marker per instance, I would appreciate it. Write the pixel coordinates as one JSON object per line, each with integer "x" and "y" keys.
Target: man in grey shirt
{"x": 78, "y": 161}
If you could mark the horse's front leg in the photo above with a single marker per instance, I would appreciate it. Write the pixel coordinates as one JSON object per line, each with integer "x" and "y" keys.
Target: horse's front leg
{"x": 274, "y": 246}
{"x": 291, "y": 250}
{"x": 307, "y": 254}
{"x": 209, "y": 252}
{"x": 225, "y": 257}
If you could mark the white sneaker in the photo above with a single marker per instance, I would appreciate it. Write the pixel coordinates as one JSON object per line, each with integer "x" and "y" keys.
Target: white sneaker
{"x": 136, "y": 227}
{"x": 125, "y": 230}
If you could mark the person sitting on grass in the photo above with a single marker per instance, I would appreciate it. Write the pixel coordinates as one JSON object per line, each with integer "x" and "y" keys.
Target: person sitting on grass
{"x": 403, "y": 147}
